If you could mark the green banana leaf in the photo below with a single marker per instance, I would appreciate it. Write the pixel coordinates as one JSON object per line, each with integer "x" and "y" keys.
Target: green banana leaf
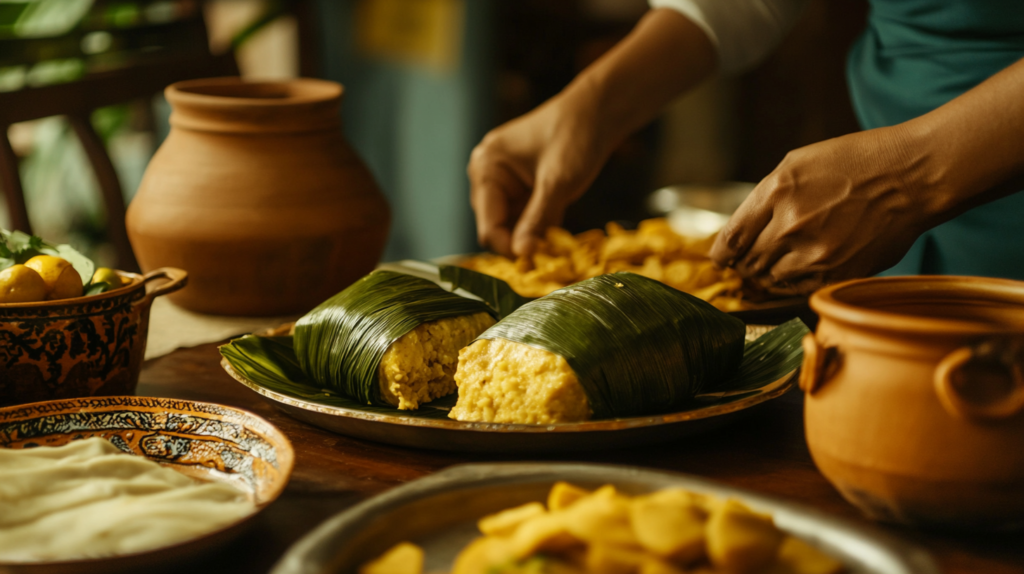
{"x": 636, "y": 345}
{"x": 339, "y": 344}
{"x": 495, "y": 293}
{"x": 270, "y": 362}
{"x": 766, "y": 360}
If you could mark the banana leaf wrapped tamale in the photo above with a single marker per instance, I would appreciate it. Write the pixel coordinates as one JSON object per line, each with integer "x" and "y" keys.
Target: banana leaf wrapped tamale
{"x": 389, "y": 339}
{"x": 616, "y": 345}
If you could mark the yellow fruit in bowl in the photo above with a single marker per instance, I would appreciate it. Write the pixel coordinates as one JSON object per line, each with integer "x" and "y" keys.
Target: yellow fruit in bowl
{"x": 108, "y": 276}
{"x": 62, "y": 281}
{"x": 21, "y": 284}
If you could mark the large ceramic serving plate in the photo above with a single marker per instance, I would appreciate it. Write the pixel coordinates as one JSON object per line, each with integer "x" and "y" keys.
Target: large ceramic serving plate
{"x": 429, "y": 427}
{"x": 206, "y": 441}
{"x": 440, "y": 512}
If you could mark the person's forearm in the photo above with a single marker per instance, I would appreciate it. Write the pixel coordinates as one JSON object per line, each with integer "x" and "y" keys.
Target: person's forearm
{"x": 665, "y": 55}
{"x": 970, "y": 150}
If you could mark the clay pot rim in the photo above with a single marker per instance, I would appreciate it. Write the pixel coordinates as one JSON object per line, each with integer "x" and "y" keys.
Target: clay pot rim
{"x": 298, "y": 90}
{"x": 826, "y": 303}
{"x": 136, "y": 283}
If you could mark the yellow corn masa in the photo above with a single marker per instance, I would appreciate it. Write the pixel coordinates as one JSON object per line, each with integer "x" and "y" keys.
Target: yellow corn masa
{"x": 420, "y": 366}
{"x": 505, "y": 382}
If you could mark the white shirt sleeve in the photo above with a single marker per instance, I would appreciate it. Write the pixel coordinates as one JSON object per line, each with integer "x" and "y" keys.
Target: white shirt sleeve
{"x": 743, "y": 31}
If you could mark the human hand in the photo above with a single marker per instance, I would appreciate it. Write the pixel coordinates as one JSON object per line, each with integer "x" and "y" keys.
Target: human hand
{"x": 838, "y": 209}
{"x": 525, "y": 173}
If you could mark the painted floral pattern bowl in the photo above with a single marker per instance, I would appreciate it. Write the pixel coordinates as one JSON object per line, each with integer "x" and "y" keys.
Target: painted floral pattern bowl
{"x": 80, "y": 347}
{"x": 205, "y": 441}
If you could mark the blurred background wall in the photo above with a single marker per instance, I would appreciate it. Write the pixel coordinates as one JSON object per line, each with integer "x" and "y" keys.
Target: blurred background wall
{"x": 425, "y": 79}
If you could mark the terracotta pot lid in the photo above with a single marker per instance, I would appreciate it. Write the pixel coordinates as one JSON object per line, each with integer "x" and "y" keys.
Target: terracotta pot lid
{"x": 232, "y": 104}
{"x": 933, "y": 304}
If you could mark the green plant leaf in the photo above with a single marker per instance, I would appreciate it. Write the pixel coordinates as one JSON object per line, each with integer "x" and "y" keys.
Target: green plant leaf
{"x": 271, "y": 363}
{"x": 636, "y": 345}
{"x": 339, "y": 344}
{"x": 6, "y": 255}
{"x": 5, "y": 250}
{"x": 97, "y": 288}
{"x": 18, "y": 247}
{"x": 81, "y": 263}
{"x": 21, "y": 242}
{"x": 495, "y": 293}
{"x": 768, "y": 358}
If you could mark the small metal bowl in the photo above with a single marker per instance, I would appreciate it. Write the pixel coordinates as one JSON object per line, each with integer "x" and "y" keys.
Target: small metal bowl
{"x": 699, "y": 210}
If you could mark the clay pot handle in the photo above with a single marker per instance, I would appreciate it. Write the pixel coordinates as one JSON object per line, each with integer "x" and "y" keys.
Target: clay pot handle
{"x": 1005, "y": 359}
{"x": 818, "y": 366}
{"x": 175, "y": 279}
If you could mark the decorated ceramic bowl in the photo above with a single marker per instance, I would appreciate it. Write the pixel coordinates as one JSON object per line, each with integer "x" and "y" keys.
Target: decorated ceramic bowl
{"x": 915, "y": 398}
{"x": 80, "y": 347}
{"x": 203, "y": 440}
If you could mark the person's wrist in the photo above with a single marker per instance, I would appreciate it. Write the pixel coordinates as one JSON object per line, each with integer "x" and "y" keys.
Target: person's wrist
{"x": 923, "y": 170}
{"x": 595, "y": 113}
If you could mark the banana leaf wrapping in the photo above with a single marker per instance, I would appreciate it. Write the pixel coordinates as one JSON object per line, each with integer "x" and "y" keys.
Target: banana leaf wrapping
{"x": 497, "y": 294}
{"x": 340, "y": 343}
{"x": 270, "y": 363}
{"x": 636, "y": 345}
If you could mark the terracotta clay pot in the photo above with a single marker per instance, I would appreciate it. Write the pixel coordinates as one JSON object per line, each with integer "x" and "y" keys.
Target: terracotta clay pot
{"x": 915, "y": 398}
{"x": 80, "y": 347}
{"x": 256, "y": 192}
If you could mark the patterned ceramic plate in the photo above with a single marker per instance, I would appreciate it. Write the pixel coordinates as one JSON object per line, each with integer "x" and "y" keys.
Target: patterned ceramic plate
{"x": 202, "y": 440}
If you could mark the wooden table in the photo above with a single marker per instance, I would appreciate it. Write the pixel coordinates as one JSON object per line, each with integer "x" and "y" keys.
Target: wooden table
{"x": 764, "y": 452}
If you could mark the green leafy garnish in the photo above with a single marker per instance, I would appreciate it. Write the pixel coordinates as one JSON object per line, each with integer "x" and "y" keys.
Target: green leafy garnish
{"x": 17, "y": 247}
{"x": 97, "y": 288}
{"x": 81, "y": 263}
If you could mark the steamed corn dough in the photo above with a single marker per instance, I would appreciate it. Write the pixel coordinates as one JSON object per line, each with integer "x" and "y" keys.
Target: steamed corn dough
{"x": 505, "y": 382}
{"x": 89, "y": 499}
{"x": 616, "y": 345}
{"x": 420, "y": 366}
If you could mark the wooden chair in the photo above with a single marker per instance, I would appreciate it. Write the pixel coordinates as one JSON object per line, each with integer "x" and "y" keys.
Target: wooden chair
{"x": 148, "y": 57}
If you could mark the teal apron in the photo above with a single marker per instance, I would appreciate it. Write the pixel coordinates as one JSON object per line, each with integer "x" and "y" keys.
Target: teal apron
{"x": 915, "y": 56}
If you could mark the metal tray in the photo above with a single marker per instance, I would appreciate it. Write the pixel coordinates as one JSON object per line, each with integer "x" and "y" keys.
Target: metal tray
{"x": 439, "y": 513}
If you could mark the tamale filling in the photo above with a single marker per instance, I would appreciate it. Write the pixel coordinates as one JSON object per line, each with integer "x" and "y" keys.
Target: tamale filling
{"x": 420, "y": 366}
{"x": 502, "y": 381}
